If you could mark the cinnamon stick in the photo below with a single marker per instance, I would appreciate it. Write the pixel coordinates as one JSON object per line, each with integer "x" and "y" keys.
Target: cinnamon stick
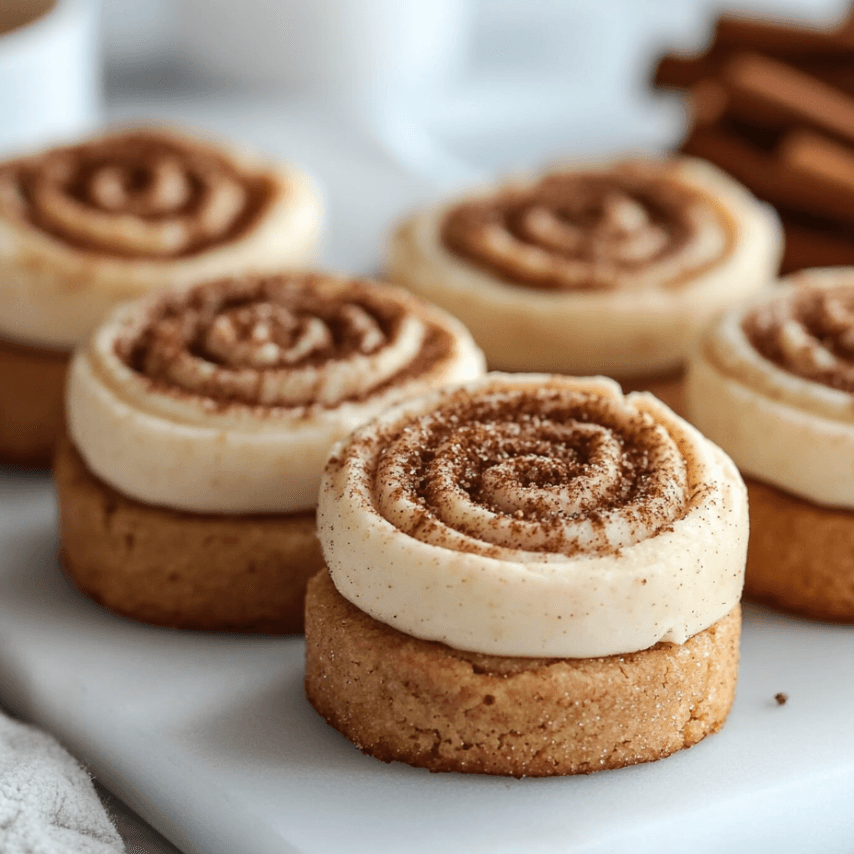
{"x": 779, "y": 179}
{"x": 771, "y": 92}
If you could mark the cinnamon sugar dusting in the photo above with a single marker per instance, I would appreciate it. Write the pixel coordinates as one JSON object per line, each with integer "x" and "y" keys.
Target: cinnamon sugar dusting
{"x": 810, "y": 333}
{"x": 296, "y": 340}
{"x": 542, "y": 470}
{"x": 634, "y": 226}
{"x": 139, "y": 194}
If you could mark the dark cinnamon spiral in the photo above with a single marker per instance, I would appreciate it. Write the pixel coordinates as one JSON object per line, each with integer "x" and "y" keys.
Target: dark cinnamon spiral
{"x": 140, "y": 194}
{"x": 548, "y": 470}
{"x": 281, "y": 341}
{"x": 632, "y": 226}
{"x": 809, "y": 332}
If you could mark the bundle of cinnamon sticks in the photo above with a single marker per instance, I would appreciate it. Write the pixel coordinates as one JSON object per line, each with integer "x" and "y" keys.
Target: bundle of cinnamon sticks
{"x": 773, "y": 104}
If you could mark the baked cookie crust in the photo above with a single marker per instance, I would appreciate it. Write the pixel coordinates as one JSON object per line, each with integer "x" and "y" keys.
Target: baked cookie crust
{"x": 32, "y": 407}
{"x": 800, "y": 556}
{"x": 210, "y": 572}
{"x": 421, "y": 702}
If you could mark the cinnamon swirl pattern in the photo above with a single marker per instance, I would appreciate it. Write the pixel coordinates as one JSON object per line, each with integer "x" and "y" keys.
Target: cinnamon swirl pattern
{"x": 531, "y": 515}
{"x": 226, "y": 397}
{"x": 85, "y": 226}
{"x": 586, "y": 231}
{"x": 772, "y": 383}
{"x": 142, "y": 196}
{"x": 811, "y": 334}
{"x": 612, "y": 268}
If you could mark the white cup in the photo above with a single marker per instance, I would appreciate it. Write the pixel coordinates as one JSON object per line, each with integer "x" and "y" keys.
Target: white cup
{"x": 339, "y": 50}
{"x": 49, "y": 74}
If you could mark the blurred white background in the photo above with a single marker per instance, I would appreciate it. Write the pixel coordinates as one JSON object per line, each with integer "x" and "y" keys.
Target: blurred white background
{"x": 524, "y": 80}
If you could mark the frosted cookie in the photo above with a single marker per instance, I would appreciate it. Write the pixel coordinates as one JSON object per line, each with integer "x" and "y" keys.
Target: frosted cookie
{"x": 530, "y": 575}
{"x": 609, "y": 269}
{"x": 772, "y": 383}
{"x": 199, "y": 421}
{"x": 87, "y": 226}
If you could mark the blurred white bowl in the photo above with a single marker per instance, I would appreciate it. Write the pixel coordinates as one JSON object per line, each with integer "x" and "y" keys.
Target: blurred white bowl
{"x": 49, "y": 74}
{"x": 339, "y": 50}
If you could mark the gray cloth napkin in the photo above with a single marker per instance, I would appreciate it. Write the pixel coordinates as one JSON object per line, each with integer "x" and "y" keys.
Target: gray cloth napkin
{"x": 47, "y": 802}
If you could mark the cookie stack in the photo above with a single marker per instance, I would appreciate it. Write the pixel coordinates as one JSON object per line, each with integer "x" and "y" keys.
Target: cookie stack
{"x": 199, "y": 421}
{"x": 771, "y": 383}
{"x": 530, "y": 575}
{"x": 773, "y": 105}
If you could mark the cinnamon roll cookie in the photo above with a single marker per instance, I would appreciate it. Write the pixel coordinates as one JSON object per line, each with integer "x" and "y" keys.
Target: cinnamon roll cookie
{"x": 199, "y": 422}
{"x": 528, "y": 575}
{"x": 772, "y": 383}
{"x": 87, "y": 226}
{"x": 610, "y": 269}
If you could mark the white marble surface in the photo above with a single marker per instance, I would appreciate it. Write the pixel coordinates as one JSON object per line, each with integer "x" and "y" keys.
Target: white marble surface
{"x": 210, "y": 739}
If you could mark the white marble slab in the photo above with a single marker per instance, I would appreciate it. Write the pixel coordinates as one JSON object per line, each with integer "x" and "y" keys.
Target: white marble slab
{"x": 210, "y": 738}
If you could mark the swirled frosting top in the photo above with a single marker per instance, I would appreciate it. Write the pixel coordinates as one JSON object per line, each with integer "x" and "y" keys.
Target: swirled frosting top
{"x": 631, "y": 226}
{"x": 809, "y": 333}
{"x": 260, "y": 375}
{"x": 549, "y": 472}
{"x": 281, "y": 342}
{"x": 535, "y": 515}
{"x": 138, "y": 194}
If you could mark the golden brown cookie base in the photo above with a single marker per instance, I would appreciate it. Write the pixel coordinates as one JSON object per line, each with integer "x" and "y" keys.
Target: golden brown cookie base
{"x": 32, "y": 406}
{"x": 668, "y": 388}
{"x": 800, "y": 556}
{"x": 400, "y": 698}
{"x": 184, "y": 570}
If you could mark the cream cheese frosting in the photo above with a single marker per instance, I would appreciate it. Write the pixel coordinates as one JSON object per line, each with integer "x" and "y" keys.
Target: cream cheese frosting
{"x": 227, "y": 397}
{"x": 535, "y": 515}
{"x": 610, "y": 268}
{"x": 85, "y": 227}
{"x": 772, "y": 383}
